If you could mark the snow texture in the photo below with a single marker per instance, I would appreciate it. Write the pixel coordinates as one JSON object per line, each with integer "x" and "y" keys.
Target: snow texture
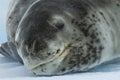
{"x": 12, "y": 70}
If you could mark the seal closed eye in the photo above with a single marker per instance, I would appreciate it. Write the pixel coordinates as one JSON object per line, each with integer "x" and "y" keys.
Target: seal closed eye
{"x": 59, "y": 25}
{"x": 53, "y": 37}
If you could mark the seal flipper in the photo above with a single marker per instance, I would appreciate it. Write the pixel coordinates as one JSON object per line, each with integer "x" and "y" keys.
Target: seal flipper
{"x": 9, "y": 50}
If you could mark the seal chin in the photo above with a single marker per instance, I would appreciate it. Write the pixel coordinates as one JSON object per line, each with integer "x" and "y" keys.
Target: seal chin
{"x": 48, "y": 66}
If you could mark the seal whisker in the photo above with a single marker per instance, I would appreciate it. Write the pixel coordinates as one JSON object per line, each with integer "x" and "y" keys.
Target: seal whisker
{"x": 61, "y": 54}
{"x": 33, "y": 46}
{"x": 27, "y": 49}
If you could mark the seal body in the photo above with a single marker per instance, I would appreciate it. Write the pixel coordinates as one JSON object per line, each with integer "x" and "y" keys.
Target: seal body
{"x": 55, "y": 37}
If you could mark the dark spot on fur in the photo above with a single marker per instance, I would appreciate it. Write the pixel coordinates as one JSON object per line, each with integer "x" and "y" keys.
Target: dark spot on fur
{"x": 94, "y": 55}
{"x": 48, "y": 53}
{"x": 93, "y": 15}
{"x": 58, "y": 51}
{"x": 76, "y": 23}
{"x": 10, "y": 18}
{"x": 89, "y": 46}
{"x": 118, "y": 4}
{"x": 101, "y": 13}
{"x": 113, "y": 19}
{"x": 72, "y": 37}
{"x": 100, "y": 49}
{"x": 99, "y": 20}
{"x": 74, "y": 30}
{"x": 93, "y": 36}
{"x": 94, "y": 50}
{"x": 17, "y": 21}
{"x": 84, "y": 61}
{"x": 63, "y": 69}
{"x": 92, "y": 41}
{"x": 73, "y": 20}
{"x": 97, "y": 33}
{"x": 97, "y": 40}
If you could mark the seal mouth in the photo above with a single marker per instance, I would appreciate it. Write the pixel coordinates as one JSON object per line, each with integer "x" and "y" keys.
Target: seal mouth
{"x": 61, "y": 54}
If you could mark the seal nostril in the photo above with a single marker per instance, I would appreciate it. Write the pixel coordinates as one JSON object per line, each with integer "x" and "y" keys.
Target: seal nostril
{"x": 59, "y": 25}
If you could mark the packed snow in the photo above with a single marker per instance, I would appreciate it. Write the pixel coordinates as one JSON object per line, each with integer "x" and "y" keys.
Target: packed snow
{"x": 12, "y": 70}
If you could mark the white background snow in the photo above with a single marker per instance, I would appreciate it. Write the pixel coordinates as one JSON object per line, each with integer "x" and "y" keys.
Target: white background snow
{"x": 12, "y": 70}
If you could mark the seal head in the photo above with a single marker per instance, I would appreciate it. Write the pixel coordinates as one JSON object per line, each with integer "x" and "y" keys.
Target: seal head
{"x": 53, "y": 38}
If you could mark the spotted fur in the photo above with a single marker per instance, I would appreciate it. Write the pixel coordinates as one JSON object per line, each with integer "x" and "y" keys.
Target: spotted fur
{"x": 54, "y": 37}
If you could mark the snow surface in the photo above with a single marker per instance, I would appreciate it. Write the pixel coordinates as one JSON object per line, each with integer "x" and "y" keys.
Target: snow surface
{"x": 12, "y": 70}
{"x": 3, "y": 13}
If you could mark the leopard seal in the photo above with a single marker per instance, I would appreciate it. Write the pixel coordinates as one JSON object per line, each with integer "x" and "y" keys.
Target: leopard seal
{"x": 53, "y": 37}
